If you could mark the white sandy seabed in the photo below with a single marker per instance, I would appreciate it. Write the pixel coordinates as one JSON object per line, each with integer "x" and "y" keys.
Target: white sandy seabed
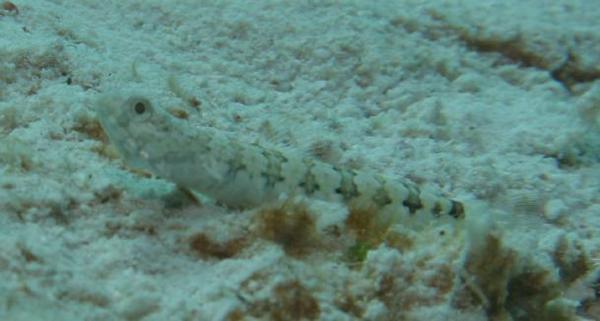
{"x": 495, "y": 103}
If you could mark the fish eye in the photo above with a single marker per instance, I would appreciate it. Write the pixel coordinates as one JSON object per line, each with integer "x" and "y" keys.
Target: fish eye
{"x": 139, "y": 107}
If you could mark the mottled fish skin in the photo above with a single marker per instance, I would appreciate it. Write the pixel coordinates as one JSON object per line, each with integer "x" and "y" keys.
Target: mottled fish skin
{"x": 243, "y": 175}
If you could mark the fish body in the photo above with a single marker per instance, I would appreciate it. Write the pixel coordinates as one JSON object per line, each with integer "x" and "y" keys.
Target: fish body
{"x": 243, "y": 175}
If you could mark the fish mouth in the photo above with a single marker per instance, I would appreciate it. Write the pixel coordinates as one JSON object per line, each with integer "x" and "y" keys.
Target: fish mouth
{"x": 114, "y": 122}
{"x": 109, "y": 112}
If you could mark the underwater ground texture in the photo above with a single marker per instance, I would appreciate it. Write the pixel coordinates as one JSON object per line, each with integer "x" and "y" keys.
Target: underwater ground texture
{"x": 494, "y": 103}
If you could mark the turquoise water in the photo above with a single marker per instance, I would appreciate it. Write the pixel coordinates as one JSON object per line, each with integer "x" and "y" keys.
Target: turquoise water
{"x": 490, "y": 104}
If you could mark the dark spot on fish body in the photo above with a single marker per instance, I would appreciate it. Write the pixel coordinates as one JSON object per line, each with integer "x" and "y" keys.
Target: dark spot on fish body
{"x": 347, "y": 188}
{"x": 437, "y": 209}
{"x": 309, "y": 183}
{"x": 457, "y": 210}
{"x": 413, "y": 203}
{"x": 381, "y": 198}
